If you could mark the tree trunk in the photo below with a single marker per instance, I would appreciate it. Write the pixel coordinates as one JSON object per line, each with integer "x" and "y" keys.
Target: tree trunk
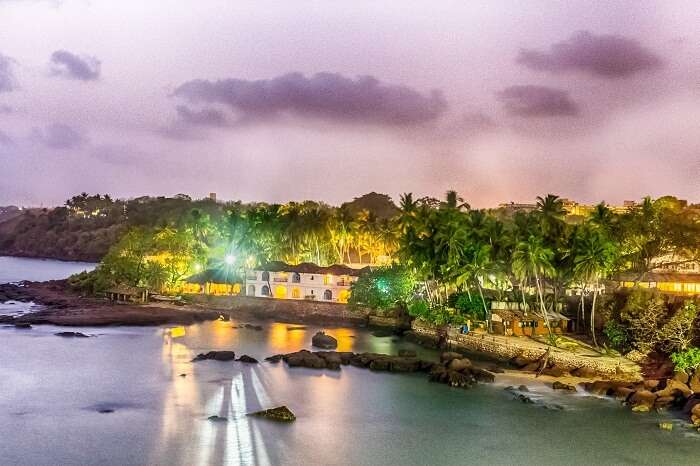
{"x": 483, "y": 303}
{"x": 595, "y": 295}
{"x": 542, "y": 308}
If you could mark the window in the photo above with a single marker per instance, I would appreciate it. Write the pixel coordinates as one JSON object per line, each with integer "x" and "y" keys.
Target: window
{"x": 251, "y": 290}
{"x": 266, "y": 276}
{"x": 296, "y": 293}
{"x": 328, "y": 279}
{"x": 296, "y": 278}
{"x": 265, "y": 290}
{"x": 328, "y": 295}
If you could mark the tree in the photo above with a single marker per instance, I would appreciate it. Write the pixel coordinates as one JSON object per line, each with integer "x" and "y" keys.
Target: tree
{"x": 593, "y": 256}
{"x": 383, "y": 288}
{"x": 678, "y": 333}
{"x": 531, "y": 259}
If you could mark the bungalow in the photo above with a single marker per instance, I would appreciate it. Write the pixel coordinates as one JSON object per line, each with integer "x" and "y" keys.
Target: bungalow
{"x": 303, "y": 281}
{"x": 213, "y": 282}
{"x": 676, "y": 283}
{"x": 511, "y": 318}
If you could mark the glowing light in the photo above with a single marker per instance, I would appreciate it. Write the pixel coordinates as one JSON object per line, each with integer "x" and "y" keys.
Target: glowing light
{"x": 229, "y": 259}
{"x": 198, "y": 267}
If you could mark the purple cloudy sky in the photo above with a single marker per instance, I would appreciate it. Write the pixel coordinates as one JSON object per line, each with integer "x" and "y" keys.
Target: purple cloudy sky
{"x": 500, "y": 100}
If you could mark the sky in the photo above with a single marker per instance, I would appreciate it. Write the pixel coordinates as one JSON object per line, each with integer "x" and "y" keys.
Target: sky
{"x": 328, "y": 100}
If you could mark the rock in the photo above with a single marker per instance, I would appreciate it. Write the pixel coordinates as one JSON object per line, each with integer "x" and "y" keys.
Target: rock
{"x": 681, "y": 377}
{"x": 675, "y": 388}
{"x": 665, "y": 425}
{"x": 663, "y": 402}
{"x": 532, "y": 367}
{"x": 449, "y": 356}
{"x": 105, "y": 410}
{"x": 691, "y": 403}
{"x": 216, "y": 356}
{"x": 523, "y": 388}
{"x": 482, "y": 375}
{"x": 695, "y": 410}
{"x": 459, "y": 364}
{"x": 406, "y": 353}
{"x": 563, "y": 386}
{"x": 332, "y": 358}
{"x": 553, "y": 371}
{"x": 247, "y": 359}
{"x": 636, "y": 356}
{"x": 694, "y": 381}
{"x": 623, "y": 393}
{"x": 217, "y": 419}
{"x": 643, "y": 398}
{"x": 457, "y": 379}
{"x": 519, "y": 362}
{"x": 383, "y": 333}
{"x": 71, "y": 335}
{"x": 525, "y": 399}
{"x": 640, "y": 409}
{"x": 280, "y": 414}
{"x": 405, "y": 364}
{"x": 321, "y": 340}
{"x": 252, "y": 327}
{"x": 651, "y": 384}
{"x": 183, "y": 375}
{"x": 275, "y": 358}
{"x": 494, "y": 368}
{"x": 305, "y": 358}
{"x": 584, "y": 372}
{"x": 23, "y": 325}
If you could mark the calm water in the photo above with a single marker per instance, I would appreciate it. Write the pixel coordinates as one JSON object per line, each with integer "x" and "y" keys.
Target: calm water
{"x": 17, "y": 268}
{"x": 52, "y": 388}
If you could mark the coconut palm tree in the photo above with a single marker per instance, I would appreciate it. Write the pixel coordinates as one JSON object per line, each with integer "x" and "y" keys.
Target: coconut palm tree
{"x": 594, "y": 255}
{"x": 532, "y": 259}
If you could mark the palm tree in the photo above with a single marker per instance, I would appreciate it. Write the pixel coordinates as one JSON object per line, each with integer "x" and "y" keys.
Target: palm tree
{"x": 532, "y": 259}
{"x": 551, "y": 214}
{"x": 478, "y": 269}
{"x": 594, "y": 255}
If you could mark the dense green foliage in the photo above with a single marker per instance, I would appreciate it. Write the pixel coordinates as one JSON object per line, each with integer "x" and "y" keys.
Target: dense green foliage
{"x": 384, "y": 288}
{"x": 687, "y": 360}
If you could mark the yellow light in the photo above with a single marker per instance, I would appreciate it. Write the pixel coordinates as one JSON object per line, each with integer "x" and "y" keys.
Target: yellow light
{"x": 230, "y": 259}
{"x": 177, "y": 332}
{"x": 198, "y": 267}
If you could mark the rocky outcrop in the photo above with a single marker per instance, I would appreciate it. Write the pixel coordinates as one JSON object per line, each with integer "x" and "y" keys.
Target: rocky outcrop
{"x": 216, "y": 356}
{"x": 279, "y": 414}
{"x": 247, "y": 359}
{"x": 71, "y": 335}
{"x": 321, "y": 340}
{"x": 563, "y": 386}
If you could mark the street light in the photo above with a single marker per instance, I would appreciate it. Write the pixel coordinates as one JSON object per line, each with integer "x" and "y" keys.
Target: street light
{"x": 229, "y": 259}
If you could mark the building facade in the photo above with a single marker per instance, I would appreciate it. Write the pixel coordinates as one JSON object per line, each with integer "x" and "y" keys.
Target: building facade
{"x": 308, "y": 281}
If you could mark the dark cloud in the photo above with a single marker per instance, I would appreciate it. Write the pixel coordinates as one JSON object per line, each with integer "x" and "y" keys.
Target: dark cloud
{"x": 328, "y": 96}
{"x": 537, "y": 101}
{"x": 7, "y": 78}
{"x": 607, "y": 56}
{"x": 204, "y": 117}
{"x": 58, "y": 136}
{"x": 71, "y": 66}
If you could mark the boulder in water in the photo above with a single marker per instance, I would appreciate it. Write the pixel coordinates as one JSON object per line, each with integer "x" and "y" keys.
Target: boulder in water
{"x": 71, "y": 335}
{"x": 216, "y": 356}
{"x": 217, "y": 419}
{"x": 247, "y": 359}
{"x": 321, "y": 340}
{"x": 563, "y": 386}
{"x": 23, "y": 325}
{"x": 279, "y": 414}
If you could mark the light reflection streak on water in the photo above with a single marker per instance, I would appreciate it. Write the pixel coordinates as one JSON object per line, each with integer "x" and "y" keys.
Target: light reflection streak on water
{"x": 205, "y": 436}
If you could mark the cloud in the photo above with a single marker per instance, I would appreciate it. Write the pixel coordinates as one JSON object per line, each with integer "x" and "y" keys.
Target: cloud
{"x": 606, "y": 56}
{"x": 58, "y": 136}
{"x": 71, "y": 66}
{"x": 5, "y": 140}
{"x": 204, "y": 117}
{"x": 537, "y": 101}
{"x": 328, "y": 96}
{"x": 117, "y": 154}
{"x": 7, "y": 77}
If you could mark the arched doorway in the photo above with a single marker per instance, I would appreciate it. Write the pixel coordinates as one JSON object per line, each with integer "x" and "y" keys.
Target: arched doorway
{"x": 296, "y": 293}
{"x": 328, "y": 295}
{"x": 251, "y": 290}
{"x": 265, "y": 290}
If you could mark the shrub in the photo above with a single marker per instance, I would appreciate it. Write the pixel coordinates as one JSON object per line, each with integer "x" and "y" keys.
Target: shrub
{"x": 419, "y": 308}
{"x": 686, "y": 360}
{"x": 473, "y": 307}
{"x": 617, "y": 335}
{"x": 383, "y": 288}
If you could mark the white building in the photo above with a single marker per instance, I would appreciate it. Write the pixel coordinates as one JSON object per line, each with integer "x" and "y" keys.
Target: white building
{"x": 304, "y": 281}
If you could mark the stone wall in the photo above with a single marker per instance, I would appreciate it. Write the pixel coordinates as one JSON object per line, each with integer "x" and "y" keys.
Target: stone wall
{"x": 499, "y": 348}
{"x": 285, "y": 309}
